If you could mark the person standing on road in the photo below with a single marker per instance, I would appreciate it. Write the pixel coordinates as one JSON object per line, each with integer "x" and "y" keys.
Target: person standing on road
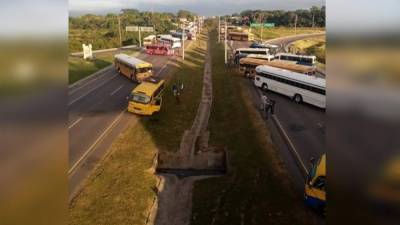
{"x": 264, "y": 101}
{"x": 267, "y": 108}
{"x": 272, "y": 106}
{"x": 176, "y": 93}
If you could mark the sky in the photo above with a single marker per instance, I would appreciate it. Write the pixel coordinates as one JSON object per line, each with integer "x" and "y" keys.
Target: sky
{"x": 201, "y": 7}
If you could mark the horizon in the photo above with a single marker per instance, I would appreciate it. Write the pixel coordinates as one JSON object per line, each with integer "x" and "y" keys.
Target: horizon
{"x": 204, "y": 8}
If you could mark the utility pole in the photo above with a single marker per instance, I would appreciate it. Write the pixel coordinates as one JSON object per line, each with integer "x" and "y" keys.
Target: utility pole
{"x": 119, "y": 30}
{"x": 295, "y": 25}
{"x": 183, "y": 44}
{"x": 313, "y": 20}
{"x": 140, "y": 38}
{"x": 226, "y": 47}
{"x": 219, "y": 28}
{"x": 262, "y": 29}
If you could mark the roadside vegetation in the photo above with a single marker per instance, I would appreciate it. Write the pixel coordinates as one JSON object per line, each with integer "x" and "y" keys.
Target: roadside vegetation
{"x": 79, "y": 68}
{"x": 276, "y": 32}
{"x": 102, "y": 30}
{"x": 257, "y": 188}
{"x": 121, "y": 188}
{"x": 313, "y": 46}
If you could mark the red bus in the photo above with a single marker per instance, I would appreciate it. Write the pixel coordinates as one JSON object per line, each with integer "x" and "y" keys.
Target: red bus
{"x": 159, "y": 49}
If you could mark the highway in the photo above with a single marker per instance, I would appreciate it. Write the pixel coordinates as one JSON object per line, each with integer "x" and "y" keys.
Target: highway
{"x": 303, "y": 124}
{"x": 97, "y": 115}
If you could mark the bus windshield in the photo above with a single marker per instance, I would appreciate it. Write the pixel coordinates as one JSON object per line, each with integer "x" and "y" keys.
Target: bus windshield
{"x": 143, "y": 70}
{"x": 140, "y": 98}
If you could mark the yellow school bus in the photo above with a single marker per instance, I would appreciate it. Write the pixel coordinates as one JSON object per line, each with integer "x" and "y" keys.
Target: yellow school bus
{"x": 146, "y": 98}
{"x": 315, "y": 188}
{"x": 133, "y": 68}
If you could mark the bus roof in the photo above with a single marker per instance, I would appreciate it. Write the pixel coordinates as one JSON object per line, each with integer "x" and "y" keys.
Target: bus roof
{"x": 260, "y": 56}
{"x": 321, "y": 167}
{"x": 290, "y": 54}
{"x": 279, "y": 64}
{"x": 148, "y": 87}
{"x": 299, "y": 77}
{"x": 253, "y": 49}
{"x": 132, "y": 61}
{"x": 150, "y": 37}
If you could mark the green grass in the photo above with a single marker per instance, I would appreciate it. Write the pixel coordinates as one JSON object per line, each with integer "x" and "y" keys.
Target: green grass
{"x": 270, "y": 33}
{"x": 257, "y": 188}
{"x": 119, "y": 191}
{"x": 311, "y": 46}
{"x": 80, "y": 68}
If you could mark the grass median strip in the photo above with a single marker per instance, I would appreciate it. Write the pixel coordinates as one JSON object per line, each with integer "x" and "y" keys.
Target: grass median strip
{"x": 80, "y": 68}
{"x": 257, "y": 188}
{"x": 120, "y": 190}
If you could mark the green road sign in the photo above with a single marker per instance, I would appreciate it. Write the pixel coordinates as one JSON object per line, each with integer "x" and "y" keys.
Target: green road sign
{"x": 256, "y": 25}
{"x": 269, "y": 24}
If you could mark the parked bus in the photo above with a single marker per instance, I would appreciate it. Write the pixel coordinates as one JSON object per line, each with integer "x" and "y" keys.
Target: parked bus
{"x": 243, "y": 52}
{"x": 261, "y": 56}
{"x": 299, "y": 59}
{"x": 133, "y": 68}
{"x": 151, "y": 39}
{"x": 240, "y": 36}
{"x": 159, "y": 49}
{"x": 315, "y": 187}
{"x": 168, "y": 39}
{"x": 298, "y": 86}
{"x": 178, "y": 34}
{"x": 247, "y": 66}
{"x": 146, "y": 98}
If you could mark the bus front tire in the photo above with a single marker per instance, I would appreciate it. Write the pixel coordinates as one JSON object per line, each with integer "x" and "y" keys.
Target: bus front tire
{"x": 297, "y": 98}
{"x": 264, "y": 87}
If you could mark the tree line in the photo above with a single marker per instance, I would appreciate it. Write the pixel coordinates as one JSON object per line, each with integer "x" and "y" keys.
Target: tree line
{"x": 102, "y": 31}
{"x": 313, "y": 17}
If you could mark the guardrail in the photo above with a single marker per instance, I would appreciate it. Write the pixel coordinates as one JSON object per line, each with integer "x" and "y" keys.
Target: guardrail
{"x": 135, "y": 47}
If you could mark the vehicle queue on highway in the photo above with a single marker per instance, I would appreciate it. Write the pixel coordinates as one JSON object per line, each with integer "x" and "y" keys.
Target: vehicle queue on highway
{"x": 293, "y": 76}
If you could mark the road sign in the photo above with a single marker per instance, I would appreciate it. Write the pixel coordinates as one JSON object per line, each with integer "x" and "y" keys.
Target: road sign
{"x": 147, "y": 29}
{"x": 132, "y": 28}
{"x": 136, "y": 28}
{"x": 256, "y": 25}
{"x": 269, "y": 24}
{"x": 87, "y": 51}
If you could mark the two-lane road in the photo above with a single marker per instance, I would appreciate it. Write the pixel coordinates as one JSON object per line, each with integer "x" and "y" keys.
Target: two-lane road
{"x": 97, "y": 114}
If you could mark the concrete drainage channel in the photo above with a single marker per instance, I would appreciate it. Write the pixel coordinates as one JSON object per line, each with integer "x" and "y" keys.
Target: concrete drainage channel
{"x": 195, "y": 160}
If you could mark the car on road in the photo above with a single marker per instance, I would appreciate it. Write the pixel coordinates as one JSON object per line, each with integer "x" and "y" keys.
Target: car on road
{"x": 146, "y": 98}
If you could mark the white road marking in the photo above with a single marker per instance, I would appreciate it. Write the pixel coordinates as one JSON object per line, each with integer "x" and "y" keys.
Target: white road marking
{"x": 291, "y": 144}
{"x": 74, "y": 123}
{"x": 115, "y": 91}
{"x": 91, "y": 81}
{"x": 101, "y": 84}
{"x": 91, "y": 148}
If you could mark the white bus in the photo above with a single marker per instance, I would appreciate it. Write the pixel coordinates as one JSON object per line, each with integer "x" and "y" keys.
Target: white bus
{"x": 174, "y": 42}
{"x": 244, "y": 52}
{"x": 300, "y": 59}
{"x": 299, "y": 87}
{"x": 149, "y": 40}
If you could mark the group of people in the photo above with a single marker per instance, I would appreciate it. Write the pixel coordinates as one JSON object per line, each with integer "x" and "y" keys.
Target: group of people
{"x": 267, "y": 105}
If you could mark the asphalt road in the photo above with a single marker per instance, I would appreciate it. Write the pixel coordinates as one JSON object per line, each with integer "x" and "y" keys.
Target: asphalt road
{"x": 304, "y": 124}
{"x": 97, "y": 115}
